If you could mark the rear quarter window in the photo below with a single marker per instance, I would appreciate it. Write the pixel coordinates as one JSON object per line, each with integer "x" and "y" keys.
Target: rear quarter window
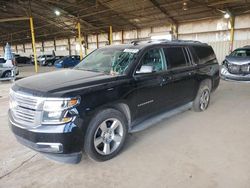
{"x": 205, "y": 54}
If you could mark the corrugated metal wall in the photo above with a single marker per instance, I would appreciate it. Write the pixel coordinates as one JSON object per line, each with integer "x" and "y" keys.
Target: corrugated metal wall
{"x": 214, "y": 32}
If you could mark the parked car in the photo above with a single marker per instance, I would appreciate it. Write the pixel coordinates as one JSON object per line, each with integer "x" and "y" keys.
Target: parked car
{"x": 6, "y": 71}
{"x": 22, "y": 60}
{"x": 51, "y": 62}
{"x": 41, "y": 59}
{"x": 236, "y": 66}
{"x": 109, "y": 94}
{"x": 68, "y": 61}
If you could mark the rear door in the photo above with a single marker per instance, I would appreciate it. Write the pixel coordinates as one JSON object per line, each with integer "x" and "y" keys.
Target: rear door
{"x": 183, "y": 71}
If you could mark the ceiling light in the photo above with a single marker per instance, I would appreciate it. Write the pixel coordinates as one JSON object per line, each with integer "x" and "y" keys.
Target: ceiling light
{"x": 227, "y": 15}
{"x": 57, "y": 12}
{"x": 185, "y": 5}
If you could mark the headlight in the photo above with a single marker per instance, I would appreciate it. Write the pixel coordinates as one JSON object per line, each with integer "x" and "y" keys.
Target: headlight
{"x": 58, "y": 111}
{"x": 225, "y": 63}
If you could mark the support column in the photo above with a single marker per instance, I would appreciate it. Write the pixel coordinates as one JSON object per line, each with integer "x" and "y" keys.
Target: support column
{"x": 122, "y": 36}
{"x": 43, "y": 46}
{"x": 24, "y": 48}
{"x": 80, "y": 39}
{"x": 174, "y": 31}
{"x": 16, "y": 49}
{"x": 86, "y": 46}
{"x": 55, "y": 44}
{"x": 110, "y": 35}
{"x": 69, "y": 46}
{"x": 97, "y": 41}
{"x": 33, "y": 42}
{"x": 232, "y": 23}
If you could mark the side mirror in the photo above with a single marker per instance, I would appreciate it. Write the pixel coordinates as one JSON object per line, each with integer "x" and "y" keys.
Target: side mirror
{"x": 145, "y": 69}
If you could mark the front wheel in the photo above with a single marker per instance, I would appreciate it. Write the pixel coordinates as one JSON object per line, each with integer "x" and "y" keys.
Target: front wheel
{"x": 7, "y": 74}
{"x": 202, "y": 99}
{"x": 106, "y": 135}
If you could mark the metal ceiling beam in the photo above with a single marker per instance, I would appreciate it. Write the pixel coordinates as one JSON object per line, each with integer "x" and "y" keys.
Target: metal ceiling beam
{"x": 207, "y": 5}
{"x": 67, "y": 14}
{"x": 107, "y": 7}
{"x": 14, "y": 19}
{"x": 164, "y": 11}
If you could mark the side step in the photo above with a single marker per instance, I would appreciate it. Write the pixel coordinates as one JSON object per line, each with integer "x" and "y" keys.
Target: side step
{"x": 158, "y": 118}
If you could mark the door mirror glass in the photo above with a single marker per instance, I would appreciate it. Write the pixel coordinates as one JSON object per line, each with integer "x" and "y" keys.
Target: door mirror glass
{"x": 145, "y": 69}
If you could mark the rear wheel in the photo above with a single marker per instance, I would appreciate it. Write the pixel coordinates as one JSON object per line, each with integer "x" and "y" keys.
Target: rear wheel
{"x": 105, "y": 135}
{"x": 202, "y": 99}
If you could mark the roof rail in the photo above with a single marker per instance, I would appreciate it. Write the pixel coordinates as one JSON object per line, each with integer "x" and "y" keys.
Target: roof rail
{"x": 189, "y": 41}
{"x": 136, "y": 42}
{"x": 247, "y": 46}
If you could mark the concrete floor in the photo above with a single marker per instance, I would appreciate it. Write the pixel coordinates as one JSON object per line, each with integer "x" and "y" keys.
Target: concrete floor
{"x": 208, "y": 150}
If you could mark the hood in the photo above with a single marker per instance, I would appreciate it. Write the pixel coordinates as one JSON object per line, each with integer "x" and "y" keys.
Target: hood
{"x": 238, "y": 60}
{"x": 61, "y": 83}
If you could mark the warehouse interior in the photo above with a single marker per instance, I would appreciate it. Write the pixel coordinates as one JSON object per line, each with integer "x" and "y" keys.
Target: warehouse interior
{"x": 208, "y": 149}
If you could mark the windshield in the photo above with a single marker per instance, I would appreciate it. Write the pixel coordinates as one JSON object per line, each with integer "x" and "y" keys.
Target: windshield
{"x": 108, "y": 60}
{"x": 241, "y": 53}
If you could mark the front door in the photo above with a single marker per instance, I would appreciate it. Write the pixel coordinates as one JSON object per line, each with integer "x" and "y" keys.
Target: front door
{"x": 149, "y": 82}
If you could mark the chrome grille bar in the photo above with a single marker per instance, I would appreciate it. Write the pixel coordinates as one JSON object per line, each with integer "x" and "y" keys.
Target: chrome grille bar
{"x": 25, "y": 112}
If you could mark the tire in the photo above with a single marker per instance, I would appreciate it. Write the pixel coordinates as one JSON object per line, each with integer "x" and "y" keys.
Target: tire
{"x": 202, "y": 99}
{"x": 6, "y": 74}
{"x": 101, "y": 143}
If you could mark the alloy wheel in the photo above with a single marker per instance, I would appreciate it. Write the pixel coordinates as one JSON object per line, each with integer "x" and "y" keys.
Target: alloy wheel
{"x": 108, "y": 136}
{"x": 204, "y": 99}
{"x": 7, "y": 74}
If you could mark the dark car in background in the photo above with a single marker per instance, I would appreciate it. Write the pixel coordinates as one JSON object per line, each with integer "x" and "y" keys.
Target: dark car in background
{"x": 93, "y": 106}
{"x": 51, "y": 61}
{"x": 23, "y": 60}
{"x": 68, "y": 61}
{"x": 236, "y": 66}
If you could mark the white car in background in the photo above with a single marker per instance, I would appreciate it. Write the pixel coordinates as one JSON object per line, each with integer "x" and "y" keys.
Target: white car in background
{"x": 7, "y": 69}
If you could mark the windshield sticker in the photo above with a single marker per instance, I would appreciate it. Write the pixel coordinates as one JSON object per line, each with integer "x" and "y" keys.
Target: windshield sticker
{"x": 131, "y": 50}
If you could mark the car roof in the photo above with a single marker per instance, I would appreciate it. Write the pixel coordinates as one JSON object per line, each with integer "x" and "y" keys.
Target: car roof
{"x": 243, "y": 48}
{"x": 142, "y": 44}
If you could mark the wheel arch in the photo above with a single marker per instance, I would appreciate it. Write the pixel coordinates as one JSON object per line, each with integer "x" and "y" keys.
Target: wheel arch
{"x": 121, "y": 106}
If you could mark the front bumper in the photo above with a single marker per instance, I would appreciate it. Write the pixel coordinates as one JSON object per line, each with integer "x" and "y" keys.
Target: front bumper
{"x": 59, "y": 142}
{"x": 226, "y": 75}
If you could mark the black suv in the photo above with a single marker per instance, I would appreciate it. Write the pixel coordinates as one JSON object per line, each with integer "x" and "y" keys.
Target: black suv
{"x": 93, "y": 106}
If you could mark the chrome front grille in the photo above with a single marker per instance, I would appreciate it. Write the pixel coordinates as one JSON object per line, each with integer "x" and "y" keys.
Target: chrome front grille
{"x": 234, "y": 69}
{"x": 25, "y": 115}
{"x": 25, "y": 109}
{"x": 239, "y": 69}
{"x": 25, "y": 101}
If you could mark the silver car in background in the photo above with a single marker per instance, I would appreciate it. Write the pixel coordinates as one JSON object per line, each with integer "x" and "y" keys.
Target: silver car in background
{"x": 7, "y": 72}
{"x": 236, "y": 66}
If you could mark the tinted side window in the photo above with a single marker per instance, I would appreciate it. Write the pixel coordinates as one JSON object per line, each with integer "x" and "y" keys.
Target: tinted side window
{"x": 2, "y": 60}
{"x": 175, "y": 57}
{"x": 204, "y": 53}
